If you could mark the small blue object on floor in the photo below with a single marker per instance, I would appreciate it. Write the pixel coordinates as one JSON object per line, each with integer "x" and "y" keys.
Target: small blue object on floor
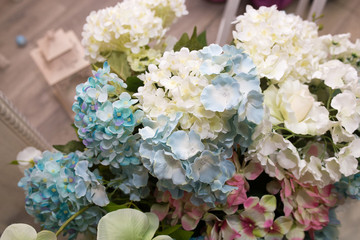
{"x": 21, "y": 40}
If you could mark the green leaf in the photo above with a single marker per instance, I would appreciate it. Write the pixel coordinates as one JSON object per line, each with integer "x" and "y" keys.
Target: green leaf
{"x": 127, "y": 224}
{"x": 19, "y": 231}
{"x": 163, "y": 237}
{"x": 96, "y": 66}
{"x": 169, "y": 230}
{"x": 46, "y": 235}
{"x": 182, "y": 42}
{"x": 76, "y": 131}
{"x": 119, "y": 64}
{"x": 133, "y": 83}
{"x": 202, "y": 38}
{"x": 15, "y": 162}
{"x": 71, "y": 146}
{"x": 153, "y": 225}
{"x": 181, "y": 234}
{"x": 195, "y": 42}
{"x": 113, "y": 206}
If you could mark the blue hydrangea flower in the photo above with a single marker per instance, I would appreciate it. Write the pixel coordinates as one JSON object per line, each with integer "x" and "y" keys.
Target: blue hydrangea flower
{"x": 180, "y": 161}
{"x": 349, "y": 186}
{"x": 60, "y": 185}
{"x": 181, "y": 158}
{"x": 131, "y": 180}
{"x": 106, "y": 119}
{"x": 235, "y": 87}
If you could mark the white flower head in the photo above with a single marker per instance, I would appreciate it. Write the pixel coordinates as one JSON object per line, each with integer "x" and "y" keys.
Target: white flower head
{"x": 337, "y": 74}
{"x": 129, "y": 26}
{"x": 281, "y": 45}
{"x": 293, "y": 105}
{"x": 27, "y": 156}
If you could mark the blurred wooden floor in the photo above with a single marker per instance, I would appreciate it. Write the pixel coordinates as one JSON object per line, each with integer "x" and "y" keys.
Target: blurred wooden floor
{"x": 25, "y": 86}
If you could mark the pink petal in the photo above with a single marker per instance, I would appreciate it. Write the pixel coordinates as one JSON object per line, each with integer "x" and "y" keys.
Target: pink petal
{"x": 253, "y": 170}
{"x": 161, "y": 210}
{"x": 189, "y": 223}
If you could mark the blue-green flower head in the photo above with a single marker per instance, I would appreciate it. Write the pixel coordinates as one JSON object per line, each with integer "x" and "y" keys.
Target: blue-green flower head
{"x": 349, "y": 186}
{"x": 131, "y": 180}
{"x": 106, "y": 117}
{"x": 60, "y": 185}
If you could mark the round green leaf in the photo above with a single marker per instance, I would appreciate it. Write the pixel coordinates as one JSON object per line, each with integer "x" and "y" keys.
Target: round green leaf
{"x": 19, "y": 231}
{"x": 126, "y": 224}
{"x": 162, "y": 237}
{"x": 153, "y": 225}
{"x": 46, "y": 235}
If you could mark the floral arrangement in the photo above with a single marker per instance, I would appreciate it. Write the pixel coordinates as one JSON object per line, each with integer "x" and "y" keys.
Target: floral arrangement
{"x": 254, "y": 140}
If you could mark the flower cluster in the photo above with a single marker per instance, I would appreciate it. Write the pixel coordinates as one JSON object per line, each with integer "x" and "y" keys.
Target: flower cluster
{"x": 257, "y": 220}
{"x": 254, "y": 141}
{"x": 320, "y": 104}
{"x": 58, "y": 186}
{"x": 106, "y": 119}
{"x": 311, "y": 96}
{"x": 129, "y": 26}
{"x": 188, "y": 135}
{"x": 282, "y": 46}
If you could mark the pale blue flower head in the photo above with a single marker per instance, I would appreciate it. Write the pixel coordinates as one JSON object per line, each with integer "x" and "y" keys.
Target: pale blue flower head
{"x": 189, "y": 152}
{"x": 131, "y": 180}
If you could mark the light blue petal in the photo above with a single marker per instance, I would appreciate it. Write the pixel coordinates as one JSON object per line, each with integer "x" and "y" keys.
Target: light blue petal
{"x": 205, "y": 167}
{"x": 223, "y": 94}
{"x": 184, "y": 145}
{"x": 166, "y": 167}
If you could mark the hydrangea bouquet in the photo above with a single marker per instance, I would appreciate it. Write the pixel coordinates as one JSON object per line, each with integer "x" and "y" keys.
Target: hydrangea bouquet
{"x": 254, "y": 140}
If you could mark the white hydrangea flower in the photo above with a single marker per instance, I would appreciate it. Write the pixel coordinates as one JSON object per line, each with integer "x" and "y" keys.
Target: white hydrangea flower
{"x": 339, "y": 44}
{"x": 348, "y": 107}
{"x": 128, "y": 26}
{"x": 180, "y": 86}
{"x": 293, "y": 105}
{"x": 320, "y": 169}
{"x": 348, "y": 158}
{"x": 310, "y": 164}
{"x": 281, "y": 45}
{"x": 276, "y": 154}
{"x": 168, "y": 10}
{"x": 337, "y": 74}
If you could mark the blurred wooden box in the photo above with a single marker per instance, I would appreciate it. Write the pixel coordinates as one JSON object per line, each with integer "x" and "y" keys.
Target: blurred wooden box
{"x": 60, "y": 58}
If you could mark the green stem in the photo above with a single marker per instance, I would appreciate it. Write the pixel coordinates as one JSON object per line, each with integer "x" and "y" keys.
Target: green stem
{"x": 71, "y": 218}
{"x": 291, "y": 132}
{"x": 331, "y": 92}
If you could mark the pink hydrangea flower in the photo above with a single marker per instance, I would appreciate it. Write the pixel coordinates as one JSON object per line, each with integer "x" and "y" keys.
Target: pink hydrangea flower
{"x": 309, "y": 205}
{"x": 247, "y": 171}
{"x": 176, "y": 210}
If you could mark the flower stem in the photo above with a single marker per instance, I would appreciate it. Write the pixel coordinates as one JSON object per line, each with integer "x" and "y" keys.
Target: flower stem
{"x": 71, "y": 218}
